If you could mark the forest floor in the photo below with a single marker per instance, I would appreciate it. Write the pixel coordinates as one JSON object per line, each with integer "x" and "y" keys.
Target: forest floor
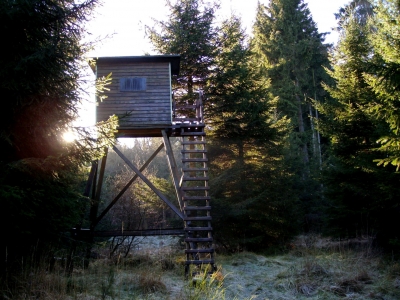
{"x": 315, "y": 268}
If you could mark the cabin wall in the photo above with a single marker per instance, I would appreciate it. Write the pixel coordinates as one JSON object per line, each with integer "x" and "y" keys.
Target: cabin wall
{"x": 137, "y": 109}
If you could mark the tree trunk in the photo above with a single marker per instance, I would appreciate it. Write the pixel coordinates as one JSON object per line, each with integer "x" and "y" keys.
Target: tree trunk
{"x": 300, "y": 120}
{"x": 314, "y": 139}
{"x": 242, "y": 167}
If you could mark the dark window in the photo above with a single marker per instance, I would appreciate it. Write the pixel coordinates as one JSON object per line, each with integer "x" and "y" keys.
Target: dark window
{"x": 132, "y": 84}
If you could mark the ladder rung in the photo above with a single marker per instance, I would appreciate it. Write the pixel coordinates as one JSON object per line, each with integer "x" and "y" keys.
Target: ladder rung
{"x": 197, "y": 208}
{"x": 194, "y": 169}
{"x": 193, "y": 151}
{"x": 194, "y": 160}
{"x": 193, "y": 142}
{"x": 189, "y": 198}
{"x": 200, "y": 262}
{"x": 189, "y": 133}
{"x": 206, "y": 218}
{"x": 200, "y": 251}
{"x": 200, "y": 240}
{"x": 198, "y": 229}
{"x": 195, "y": 178}
{"x": 195, "y": 188}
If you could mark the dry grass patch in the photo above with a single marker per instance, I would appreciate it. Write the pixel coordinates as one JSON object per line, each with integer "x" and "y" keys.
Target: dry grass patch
{"x": 308, "y": 272}
{"x": 150, "y": 284}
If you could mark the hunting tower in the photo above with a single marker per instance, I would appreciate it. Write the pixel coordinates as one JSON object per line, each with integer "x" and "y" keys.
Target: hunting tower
{"x": 141, "y": 96}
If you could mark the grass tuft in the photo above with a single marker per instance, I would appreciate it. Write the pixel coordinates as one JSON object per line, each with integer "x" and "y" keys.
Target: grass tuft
{"x": 150, "y": 284}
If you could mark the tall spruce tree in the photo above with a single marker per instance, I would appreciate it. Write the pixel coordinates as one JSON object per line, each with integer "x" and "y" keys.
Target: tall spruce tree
{"x": 238, "y": 103}
{"x": 359, "y": 9}
{"x": 40, "y": 87}
{"x": 40, "y": 73}
{"x": 245, "y": 150}
{"x": 189, "y": 32}
{"x": 362, "y": 195}
{"x": 384, "y": 76}
{"x": 291, "y": 54}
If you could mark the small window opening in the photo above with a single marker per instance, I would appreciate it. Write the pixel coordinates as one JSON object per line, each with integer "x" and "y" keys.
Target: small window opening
{"x": 132, "y": 84}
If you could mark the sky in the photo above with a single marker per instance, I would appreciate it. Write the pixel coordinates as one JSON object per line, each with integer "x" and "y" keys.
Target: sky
{"x": 124, "y": 21}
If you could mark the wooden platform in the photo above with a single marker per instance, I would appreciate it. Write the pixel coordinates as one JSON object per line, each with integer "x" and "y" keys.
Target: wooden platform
{"x": 173, "y": 130}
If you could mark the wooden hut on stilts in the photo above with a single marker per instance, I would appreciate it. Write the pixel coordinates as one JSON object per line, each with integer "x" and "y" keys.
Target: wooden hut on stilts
{"x": 141, "y": 94}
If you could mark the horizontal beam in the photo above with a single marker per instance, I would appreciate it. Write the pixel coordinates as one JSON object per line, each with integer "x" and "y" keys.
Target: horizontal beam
{"x": 112, "y": 233}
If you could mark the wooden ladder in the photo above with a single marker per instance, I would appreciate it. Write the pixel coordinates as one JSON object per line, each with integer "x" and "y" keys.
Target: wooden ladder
{"x": 196, "y": 202}
{"x": 195, "y": 195}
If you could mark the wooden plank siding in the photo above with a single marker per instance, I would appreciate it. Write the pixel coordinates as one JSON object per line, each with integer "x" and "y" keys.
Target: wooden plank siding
{"x": 147, "y": 108}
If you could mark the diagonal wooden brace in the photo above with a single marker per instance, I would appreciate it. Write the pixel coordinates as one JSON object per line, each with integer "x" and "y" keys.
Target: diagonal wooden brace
{"x": 125, "y": 188}
{"x": 173, "y": 168}
{"x": 145, "y": 180}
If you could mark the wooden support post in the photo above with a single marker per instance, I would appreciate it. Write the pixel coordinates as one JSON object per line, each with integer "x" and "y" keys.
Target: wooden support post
{"x": 173, "y": 167}
{"x": 86, "y": 192}
{"x": 91, "y": 179}
{"x": 199, "y": 107}
{"x": 96, "y": 201}
{"x": 94, "y": 183}
{"x": 145, "y": 180}
{"x": 95, "y": 205}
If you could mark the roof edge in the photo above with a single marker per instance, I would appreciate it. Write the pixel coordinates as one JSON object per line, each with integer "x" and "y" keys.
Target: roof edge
{"x": 174, "y": 59}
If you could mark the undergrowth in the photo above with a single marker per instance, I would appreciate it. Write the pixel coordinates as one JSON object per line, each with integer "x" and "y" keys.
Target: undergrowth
{"x": 309, "y": 271}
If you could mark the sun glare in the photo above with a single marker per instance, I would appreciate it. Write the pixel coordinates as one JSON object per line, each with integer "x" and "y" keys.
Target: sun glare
{"x": 69, "y": 136}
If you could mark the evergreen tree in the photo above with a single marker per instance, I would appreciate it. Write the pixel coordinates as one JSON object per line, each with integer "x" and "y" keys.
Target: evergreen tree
{"x": 189, "y": 32}
{"x": 291, "y": 54}
{"x": 245, "y": 149}
{"x": 237, "y": 102}
{"x": 383, "y": 78}
{"x": 39, "y": 75}
{"x": 362, "y": 10}
{"x": 362, "y": 196}
{"x": 40, "y": 174}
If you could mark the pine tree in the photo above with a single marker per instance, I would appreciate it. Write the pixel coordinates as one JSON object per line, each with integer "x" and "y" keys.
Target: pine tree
{"x": 363, "y": 197}
{"x": 237, "y": 98}
{"x": 362, "y": 10}
{"x": 40, "y": 87}
{"x": 383, "y": 78}
{"x": 40, "y": 74}
{"x": 189, "y": 32}
{"x": 245, "y": 149}
{"x": 291, "y": 54}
